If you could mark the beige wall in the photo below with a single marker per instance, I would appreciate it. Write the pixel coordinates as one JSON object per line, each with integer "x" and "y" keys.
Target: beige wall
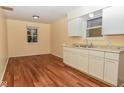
{"x": 17, "y": 38}
{"x": 59, "y": 36}
{"x": 3, "y": 45}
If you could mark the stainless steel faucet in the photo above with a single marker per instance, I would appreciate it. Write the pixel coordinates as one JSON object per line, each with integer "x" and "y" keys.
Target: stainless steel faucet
{"x": 91, "y": 44}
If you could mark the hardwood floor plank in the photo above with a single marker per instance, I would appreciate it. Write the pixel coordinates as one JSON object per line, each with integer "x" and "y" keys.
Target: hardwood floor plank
{"x": 45, "y": 71}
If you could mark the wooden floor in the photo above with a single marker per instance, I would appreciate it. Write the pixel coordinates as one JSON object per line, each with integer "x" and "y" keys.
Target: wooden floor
{"x": 45, "y": 71}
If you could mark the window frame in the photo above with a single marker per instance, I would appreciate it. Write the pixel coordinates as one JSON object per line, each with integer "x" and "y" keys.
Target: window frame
{"x": 33, "y": 37}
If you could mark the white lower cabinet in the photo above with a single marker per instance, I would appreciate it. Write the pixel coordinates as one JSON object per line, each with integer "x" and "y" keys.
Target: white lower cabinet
{"x": 76, "y": 58}
{"x": 69, "y": 57}
{"x": 111, "y": 71}
{"x": 104, "y": 65}
{"x": 96, "y": 66}
{"x": 66, "y": 55}
{"x": 82, "y": 62}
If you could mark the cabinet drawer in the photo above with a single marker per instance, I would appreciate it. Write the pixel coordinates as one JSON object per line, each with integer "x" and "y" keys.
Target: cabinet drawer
{"x": 82, "y": 51}
{"x": 67, "y": 49}
{"x": 113, "y": 56}
{"x": 76, "y": 50}
{"x": 96, "y": 53}
{"x": 111, "y": 61}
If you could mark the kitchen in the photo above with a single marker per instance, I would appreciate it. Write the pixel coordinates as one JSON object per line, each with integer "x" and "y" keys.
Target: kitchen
{"x": 62, "y": 46}
{"x": 104, "y": 61}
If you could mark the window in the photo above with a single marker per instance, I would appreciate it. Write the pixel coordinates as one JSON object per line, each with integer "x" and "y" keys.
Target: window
{"x": 32, "y": 34}
{"x": 94, "y": 25}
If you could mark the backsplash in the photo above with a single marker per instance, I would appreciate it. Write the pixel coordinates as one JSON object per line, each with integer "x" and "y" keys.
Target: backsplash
{"x": 108, "y": 40}
{"x": 116, "y": 40}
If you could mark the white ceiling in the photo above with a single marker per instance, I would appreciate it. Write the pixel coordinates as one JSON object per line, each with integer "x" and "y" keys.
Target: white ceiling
{"x": 47, "y": 14}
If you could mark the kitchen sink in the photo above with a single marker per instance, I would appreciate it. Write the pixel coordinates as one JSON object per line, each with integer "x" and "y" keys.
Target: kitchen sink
{"x": 85, "y": 46}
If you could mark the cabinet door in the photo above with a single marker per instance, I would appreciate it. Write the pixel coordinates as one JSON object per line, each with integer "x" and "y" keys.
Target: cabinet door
{"x": 75, "y": 27}
{"x": 113, "y": 21}
{"x": 96, "y": 65}
{"x": 82, "y": 62}
{"x": 70, "y": 58}
{"x": 66, "y": 57}
{"x": 73, "y": 59}
{"x": 111, "y": 71}
{"x": 76, "y": 59}
{"x": 71, "y": 27}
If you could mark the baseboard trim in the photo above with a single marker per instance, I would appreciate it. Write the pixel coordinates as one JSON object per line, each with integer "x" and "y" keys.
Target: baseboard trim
{"x": 28, "y": 55}
{"x": 57, "y": 57}
{"x": 1, "y": 79}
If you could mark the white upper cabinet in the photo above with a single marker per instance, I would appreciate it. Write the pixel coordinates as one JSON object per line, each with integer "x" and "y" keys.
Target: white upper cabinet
{"x": 113, "y": 21}
{"x": 75, "y": 27}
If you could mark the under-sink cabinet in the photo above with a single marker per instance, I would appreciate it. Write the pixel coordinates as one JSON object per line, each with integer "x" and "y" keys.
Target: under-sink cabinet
{"x": 104, "y": 65}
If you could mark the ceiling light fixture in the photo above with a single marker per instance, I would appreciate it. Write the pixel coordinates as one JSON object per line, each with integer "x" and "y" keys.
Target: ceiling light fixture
{"x": 91, "y": 15}
{"x": 35, "y": 17}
